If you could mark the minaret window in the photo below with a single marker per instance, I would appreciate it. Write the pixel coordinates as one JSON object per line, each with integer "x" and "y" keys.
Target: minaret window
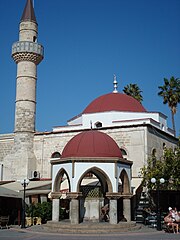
{"x": 34, "y": 39}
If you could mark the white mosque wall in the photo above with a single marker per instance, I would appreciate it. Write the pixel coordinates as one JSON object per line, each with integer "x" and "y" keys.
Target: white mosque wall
{"x": 115, "y": 118}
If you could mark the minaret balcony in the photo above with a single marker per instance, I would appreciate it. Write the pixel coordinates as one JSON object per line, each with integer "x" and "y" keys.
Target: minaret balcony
{"x": 27, "y": 51}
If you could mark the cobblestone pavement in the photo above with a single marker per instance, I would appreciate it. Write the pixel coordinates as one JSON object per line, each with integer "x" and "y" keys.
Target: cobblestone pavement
{"x": 37, "y": 233}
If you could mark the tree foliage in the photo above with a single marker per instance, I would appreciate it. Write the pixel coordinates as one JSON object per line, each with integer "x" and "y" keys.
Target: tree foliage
{"x": 43, "y": 210}
{"x": 170, "y": 92}
{"x": 168, "y": 167}
{"x": 134, "y": 91}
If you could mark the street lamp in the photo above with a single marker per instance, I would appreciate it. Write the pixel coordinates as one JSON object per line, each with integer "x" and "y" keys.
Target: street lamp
{"x": 161, "y": 181}
{"x": 24, "y": 183}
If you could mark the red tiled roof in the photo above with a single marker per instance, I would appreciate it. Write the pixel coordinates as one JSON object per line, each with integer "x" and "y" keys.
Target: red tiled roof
{"x": 91, "y": 143}
{"x": 114, "y": 102}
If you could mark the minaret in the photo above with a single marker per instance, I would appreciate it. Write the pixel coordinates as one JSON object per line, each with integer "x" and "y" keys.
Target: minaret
{"x": 27, "y": 54}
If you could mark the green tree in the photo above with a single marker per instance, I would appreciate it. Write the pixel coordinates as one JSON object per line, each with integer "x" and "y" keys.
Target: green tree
{"x": 43, "y": 210}
{"x": 170, "y": 92}
{"x": 167, "y": 167}
{"x": 134, "y": 91}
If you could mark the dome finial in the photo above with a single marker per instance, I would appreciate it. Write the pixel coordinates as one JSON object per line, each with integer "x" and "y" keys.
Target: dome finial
{"x": 91, "y": 124}
{"x": 115, "y": 84}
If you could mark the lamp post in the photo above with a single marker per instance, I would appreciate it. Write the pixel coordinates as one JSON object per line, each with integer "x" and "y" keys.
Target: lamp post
{"x": 24, "y": 183}
{"x": 161, "y": 181}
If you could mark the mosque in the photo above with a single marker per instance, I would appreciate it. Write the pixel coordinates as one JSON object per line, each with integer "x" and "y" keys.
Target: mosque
{"x": 92, "y": 161}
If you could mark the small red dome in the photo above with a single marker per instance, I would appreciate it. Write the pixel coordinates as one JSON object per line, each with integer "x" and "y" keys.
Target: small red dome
{"x": 114, "y": 102}
{"x": 91, "y": 143}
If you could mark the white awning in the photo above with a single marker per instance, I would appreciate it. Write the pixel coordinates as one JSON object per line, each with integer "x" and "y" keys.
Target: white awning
{"x": 5, "y": 192}
{"x": 34, "y": 187}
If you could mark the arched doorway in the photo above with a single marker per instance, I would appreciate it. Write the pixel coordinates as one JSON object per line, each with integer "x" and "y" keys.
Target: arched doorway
{"x": 60, "y": 189}
{"x": 124, "y": 185}
{"x": 124, "y": 190}
{"x": 93, "y": 184}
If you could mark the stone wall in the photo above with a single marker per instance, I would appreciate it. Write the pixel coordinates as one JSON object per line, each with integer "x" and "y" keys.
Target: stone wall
{"x": 138, "y": 142}
{"x": 6, "y": 145}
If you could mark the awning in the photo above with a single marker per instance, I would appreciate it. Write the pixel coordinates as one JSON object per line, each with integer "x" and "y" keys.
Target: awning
{"x": 5, "y": 192}
{"x": 34, "y": 187}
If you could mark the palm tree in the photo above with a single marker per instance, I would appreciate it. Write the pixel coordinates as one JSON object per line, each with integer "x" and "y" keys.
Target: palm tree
{"x": 134, "y": 91}
{"x": 170, "y": 92}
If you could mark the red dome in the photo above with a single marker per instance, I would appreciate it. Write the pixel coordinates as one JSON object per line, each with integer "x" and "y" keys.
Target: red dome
{"x": 114, "y": 102}
{"x": 91, "y": 143}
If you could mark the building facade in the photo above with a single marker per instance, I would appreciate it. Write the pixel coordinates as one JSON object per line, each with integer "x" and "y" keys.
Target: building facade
{"x": 30, "y": 154}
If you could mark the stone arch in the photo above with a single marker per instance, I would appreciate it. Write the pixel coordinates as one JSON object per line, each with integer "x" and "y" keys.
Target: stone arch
{"x": 125, "y": 188}
{"x": 101, "y": 175}
{"x": 59, "y": 179}
{"x": 93, "y": 194}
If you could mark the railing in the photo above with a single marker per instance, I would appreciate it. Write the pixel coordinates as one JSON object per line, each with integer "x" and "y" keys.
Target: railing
{"x": 25, "y": 46}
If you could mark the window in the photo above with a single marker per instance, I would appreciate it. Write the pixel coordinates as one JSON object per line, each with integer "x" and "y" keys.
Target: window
{"x": 89, "y": 175}
{"x": 153, "y": 157}
{"x": 153, "y": 152}
{"x": 164, "y": 146}
{"x": 34, "y": 39}
{"x": 124, "y": 153}
{"x": 98, "y": 125}
{"x": 56, "y": 155}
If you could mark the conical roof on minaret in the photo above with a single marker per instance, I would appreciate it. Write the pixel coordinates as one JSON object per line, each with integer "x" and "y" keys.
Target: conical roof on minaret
{"x": 28, "y": 14}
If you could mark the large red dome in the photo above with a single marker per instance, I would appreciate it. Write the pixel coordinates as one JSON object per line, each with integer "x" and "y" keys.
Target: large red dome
{"x": 91, "y": 143}
{"x": 114, "y": 102}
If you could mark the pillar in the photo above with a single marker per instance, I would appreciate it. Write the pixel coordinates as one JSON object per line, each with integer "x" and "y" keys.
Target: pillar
{"x": 55, "y": 209}
{"x": 127, "y": 209}
{"x": 113, "y": 206}
{"x": 74, "y": 206}
{"x": 55, "y": 205}
{"x": 113, "y": 211}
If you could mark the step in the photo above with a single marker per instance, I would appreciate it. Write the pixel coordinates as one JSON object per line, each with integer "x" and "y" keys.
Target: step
{"x": 104, "y": 227}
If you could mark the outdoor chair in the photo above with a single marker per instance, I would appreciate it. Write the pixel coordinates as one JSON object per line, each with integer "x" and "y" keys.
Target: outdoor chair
{"x": 4, "y": 220}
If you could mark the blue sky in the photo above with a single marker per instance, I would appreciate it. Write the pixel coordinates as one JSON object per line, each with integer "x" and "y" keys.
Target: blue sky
{"x": 86, "y": 42}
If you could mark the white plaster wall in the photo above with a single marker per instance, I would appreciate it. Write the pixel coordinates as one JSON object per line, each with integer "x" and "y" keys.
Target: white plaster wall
{"x": 107, "y": 118}
{"x": 108, "y": 168}
{"x": 81, "y": 168}
{"x": 67, "y": 167}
